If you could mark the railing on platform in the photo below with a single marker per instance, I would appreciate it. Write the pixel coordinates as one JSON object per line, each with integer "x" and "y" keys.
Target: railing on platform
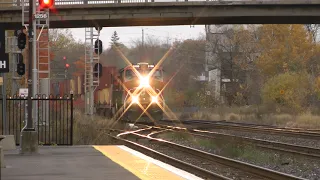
{"x": 55, "y": 118}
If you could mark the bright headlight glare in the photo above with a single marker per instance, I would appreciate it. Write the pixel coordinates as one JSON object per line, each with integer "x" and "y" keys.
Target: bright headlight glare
{"x": 144, "y": 82}
{"x": 134, "y": 99}
{"x": 154, "y": 99}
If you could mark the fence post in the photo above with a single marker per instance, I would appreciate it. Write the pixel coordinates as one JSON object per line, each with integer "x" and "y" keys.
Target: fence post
{"x": 71, "y": 130}
{"x": 4, "y": 106}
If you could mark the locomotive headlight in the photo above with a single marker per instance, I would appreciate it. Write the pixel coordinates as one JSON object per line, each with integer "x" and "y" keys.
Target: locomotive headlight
{"x": 154, "y": 99}
{"x": 144, "y": 82}
{"x": 135, "y": 99}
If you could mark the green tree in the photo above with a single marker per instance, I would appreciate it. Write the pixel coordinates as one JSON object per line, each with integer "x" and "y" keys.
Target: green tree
{"x": 115, "y": 39}
{"x": 289, "y": 89}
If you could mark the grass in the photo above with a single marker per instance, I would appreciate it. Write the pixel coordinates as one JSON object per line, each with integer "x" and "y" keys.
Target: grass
{"x": 225, "y": 148}
{"x": 266, "y": 115}
{"x": 90, "y": 130}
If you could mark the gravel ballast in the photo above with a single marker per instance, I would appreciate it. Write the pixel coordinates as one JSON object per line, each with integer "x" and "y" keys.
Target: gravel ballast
{"x": 283, "y": 162}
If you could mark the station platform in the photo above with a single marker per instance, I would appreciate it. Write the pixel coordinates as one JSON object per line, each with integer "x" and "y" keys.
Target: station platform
{"x": 88, "y": 163}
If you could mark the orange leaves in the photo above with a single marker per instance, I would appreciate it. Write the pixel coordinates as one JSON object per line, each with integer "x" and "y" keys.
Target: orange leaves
{"x": 80, "y": 66}
{"x": 279, "y": 44}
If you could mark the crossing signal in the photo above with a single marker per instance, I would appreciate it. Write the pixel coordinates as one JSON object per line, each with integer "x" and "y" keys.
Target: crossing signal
{"x": 22, "y": 40}
{"x": 67, "y": 66}
{"x": 97, "y": 70}
{"x": 21, "y": 68}
{"x": 98, "y": 46}
{"x": 46, "y": 4}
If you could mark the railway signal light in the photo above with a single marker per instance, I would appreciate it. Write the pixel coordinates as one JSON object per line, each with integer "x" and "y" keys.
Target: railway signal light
{"x": 22, "y": 40}
{"x": 46, "y": 4}
{"x": 21, "y": 68}
{"x": 64, "y": 58}
{"x": 97, "y": 70}
{"x": 98, "y": 46}
{"x": 67, "y": 66}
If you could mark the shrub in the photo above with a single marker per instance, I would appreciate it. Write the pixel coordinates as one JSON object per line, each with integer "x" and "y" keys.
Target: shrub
{"x": 288, "y": 89}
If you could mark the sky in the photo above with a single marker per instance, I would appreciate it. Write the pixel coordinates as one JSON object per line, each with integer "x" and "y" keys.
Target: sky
{"x": 128, "y": 34}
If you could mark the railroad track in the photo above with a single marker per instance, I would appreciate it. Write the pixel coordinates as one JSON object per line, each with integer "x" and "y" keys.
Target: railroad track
{"x": 283, "y": 147}
{"x": 245, "y": 170}
{"x": 167, "y": 159}
{"x": 253, "y": 128}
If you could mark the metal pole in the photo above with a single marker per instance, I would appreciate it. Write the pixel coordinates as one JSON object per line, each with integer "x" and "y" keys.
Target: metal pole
{"x": 34, "y": 70}
{"x": 4, "y": 104}
{"x": 13, "y": 82}
{"x": 30, "y": 34}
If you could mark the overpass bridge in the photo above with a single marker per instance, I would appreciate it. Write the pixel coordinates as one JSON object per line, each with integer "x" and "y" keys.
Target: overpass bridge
{"x": 115, "y": 13}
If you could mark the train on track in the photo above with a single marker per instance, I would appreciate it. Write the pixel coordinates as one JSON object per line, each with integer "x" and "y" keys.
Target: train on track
{"x": 132, "y": 94}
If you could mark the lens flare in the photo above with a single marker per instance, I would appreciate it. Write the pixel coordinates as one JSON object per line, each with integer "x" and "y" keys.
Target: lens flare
{"x": 144, "y": 82}
{"x": 154, "y": 99}
{"x": 135, "y": 99}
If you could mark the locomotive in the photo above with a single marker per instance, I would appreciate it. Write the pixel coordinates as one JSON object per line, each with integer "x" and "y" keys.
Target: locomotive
{"x": 136, "y": 94}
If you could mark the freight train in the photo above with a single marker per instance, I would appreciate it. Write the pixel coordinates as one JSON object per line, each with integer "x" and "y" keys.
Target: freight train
{"x": 133, "y": 93}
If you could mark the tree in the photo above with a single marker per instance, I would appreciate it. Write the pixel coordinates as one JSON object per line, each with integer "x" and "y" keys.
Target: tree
{"x": 289, "y": 89}
{"x": 60, "y": 39}
{"x": 115, "y": 39}
{"x": 314, "y": 30}
{"x": 63, "y": 44}
{"x": 234, "y": 49}
{"x": 284, "y": 48}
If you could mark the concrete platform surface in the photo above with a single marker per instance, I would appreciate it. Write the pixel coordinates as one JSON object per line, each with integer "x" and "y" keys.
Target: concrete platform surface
{"x": 67, "y": 163}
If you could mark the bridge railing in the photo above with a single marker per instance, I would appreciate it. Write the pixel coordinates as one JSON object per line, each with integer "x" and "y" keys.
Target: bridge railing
{"x": 15, "y": 3}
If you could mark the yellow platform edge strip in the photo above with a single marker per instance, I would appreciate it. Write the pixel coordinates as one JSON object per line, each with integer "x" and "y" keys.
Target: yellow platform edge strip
{"x": 139, "y": 166}
{"x": 133, "y": 171}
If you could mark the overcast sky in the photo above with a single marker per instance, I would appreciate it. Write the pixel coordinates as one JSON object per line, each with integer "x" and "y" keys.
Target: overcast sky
{"x": 128, "y": 34}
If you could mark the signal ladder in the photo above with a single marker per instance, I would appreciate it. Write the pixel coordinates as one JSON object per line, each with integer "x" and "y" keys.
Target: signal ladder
{"x": 25, "y": 13}
{"x": 43, "y": 51}
{"x": 42, "y": 45}
{"x": 91, "y": 58}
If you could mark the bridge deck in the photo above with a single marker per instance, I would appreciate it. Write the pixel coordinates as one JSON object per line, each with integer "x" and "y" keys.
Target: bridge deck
{"x": 146, "y": 13}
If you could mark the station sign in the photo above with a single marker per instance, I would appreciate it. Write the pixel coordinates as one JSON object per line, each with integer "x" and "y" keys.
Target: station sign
{"x": 23, "y": 92}
{"x": 4, "y": 65}
{"x": 41, "y": 15}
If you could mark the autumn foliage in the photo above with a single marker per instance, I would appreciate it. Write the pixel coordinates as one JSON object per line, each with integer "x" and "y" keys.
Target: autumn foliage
{"x": 284, "y": 48}
{"x": 287, "y": 52}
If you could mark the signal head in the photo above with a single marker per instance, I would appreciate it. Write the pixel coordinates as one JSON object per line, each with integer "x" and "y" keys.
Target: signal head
{"x": 22, "y": 40}
{"x": 46, "y": 4}
{"x": 67, "y": 66}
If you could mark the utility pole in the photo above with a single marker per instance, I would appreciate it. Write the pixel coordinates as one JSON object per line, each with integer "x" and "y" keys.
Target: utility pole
{"x": 142, "y": 53}
{"x": 142, "y": 38}
{"x": 29, "y": 140}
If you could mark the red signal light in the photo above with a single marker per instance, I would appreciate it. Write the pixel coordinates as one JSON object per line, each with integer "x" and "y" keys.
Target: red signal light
{"x": 46, "y": 4}
{"x": 64, "y": 58}
{"x": 67, "y": 65}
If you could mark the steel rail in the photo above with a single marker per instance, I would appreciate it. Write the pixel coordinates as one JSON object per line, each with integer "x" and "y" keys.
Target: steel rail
{"x": 253, "y": 169}
{"x": 269, "y": 130}
{"x": 283, "y": 147}
{"x": 170, "y": 160}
